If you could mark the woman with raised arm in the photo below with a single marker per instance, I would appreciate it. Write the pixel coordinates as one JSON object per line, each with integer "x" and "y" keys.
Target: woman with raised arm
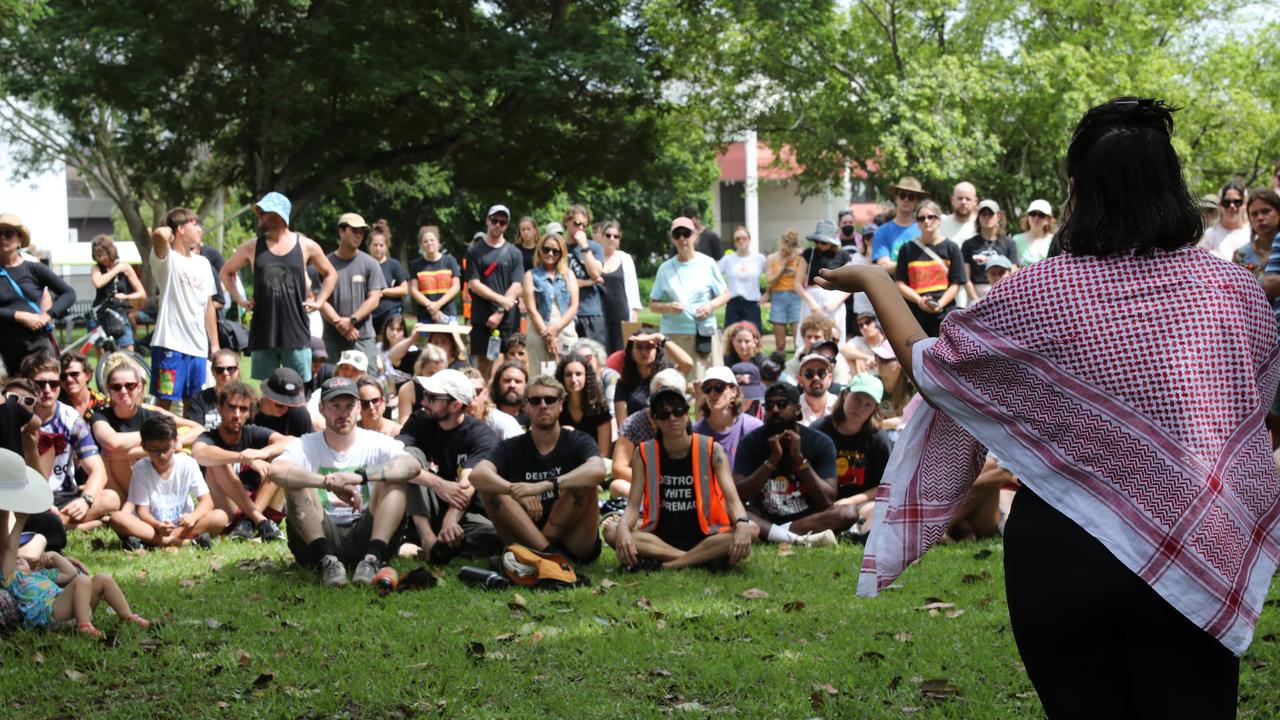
{"x": 1125, "y": 382}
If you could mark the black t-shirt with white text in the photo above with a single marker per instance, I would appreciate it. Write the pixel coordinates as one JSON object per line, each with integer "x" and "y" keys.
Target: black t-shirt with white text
{"x": 203, "y": 409}
{"x": 518, "y": 460}
{"x": 678, "y": 507}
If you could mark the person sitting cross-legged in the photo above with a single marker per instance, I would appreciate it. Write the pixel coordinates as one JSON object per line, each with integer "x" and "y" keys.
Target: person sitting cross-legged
{"x": 787, "y": 474}
{"x": 539, "y": 489}
{"x": 161, "y": 491}
{"x": 331, "y": 527}
{"x": 684, "y": 498}
{"x": 237, "y": 459}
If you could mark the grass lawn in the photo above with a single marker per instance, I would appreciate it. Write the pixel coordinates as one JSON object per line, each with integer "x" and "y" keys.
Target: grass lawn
{"x": 246, "y": 633}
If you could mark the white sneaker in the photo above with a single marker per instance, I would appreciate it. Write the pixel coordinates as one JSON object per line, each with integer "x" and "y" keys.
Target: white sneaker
{"x": 826, "y": 538}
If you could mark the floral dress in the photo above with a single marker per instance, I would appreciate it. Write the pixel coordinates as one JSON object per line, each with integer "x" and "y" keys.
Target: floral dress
{"x": 36, "y": 592}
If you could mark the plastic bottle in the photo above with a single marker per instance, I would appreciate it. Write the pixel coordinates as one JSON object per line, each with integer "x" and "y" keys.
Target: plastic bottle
{"x": 386, "y": 579}
{"x": 495, "y": 345}
{"x": 483, "y": 579}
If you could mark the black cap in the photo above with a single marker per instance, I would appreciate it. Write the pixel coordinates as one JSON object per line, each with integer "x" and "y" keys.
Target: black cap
{"x": 667, "y": 393}
{"x": 782, "y": 389}
{"x": 831, "y": 345}
{"x": 285, "y": 387}
{"x": 337, "y": 387}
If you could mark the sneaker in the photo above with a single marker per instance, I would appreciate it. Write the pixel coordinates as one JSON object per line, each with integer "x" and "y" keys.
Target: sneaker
{"x": 441, "y": 553}
{"x": 332, "y": 574}
{"x": 365, "y": 570}
{"x": 132, "y": 543}
{"x": 269, "y": 531}
{"x": 203, "y": 541}
{"x": 826, "y": 538}
{"x": 241, "y": 529}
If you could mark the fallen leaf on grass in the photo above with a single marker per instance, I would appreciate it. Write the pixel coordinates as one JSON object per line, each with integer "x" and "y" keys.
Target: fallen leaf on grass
{"x": 97, "y": 544}
{"x": 1259, "y": 664}
{"x": 974, "y": 579}
{"x": 149, "y": 644}
{"x": 939, "y": 689}
{"x": 607, "y": 583}
{"x": 784, "y": 550}
{"x": 659, "y": 672}
{"x": 754, "y": 594}
{"x": 518, "y": 602}
{"x": 982, "y": 554}
{"x": 264, "y": 679}
{"x": 243, "y": 658}
{"x": 644, "y": 603}
{"x": 1270, "y": 637}
{"x": 504, "y": 637}
{"x": 75, "y": 675}
{"x": 904, "y": 636}
{"x": 827, "y": 688}
{"x": 895, "y": 682}
{"x": 872, "y": 656}
{"x": 187, "y": 583}
{"x": 793, "y": 606}
{"x": 602, "y": 621}
{"x": 213, "y": 623}
{"x": 37, "y": 658}
{"x": 475, "y": 649}
{"x": 690, "y": 706}
{"x": 954, "y": 613}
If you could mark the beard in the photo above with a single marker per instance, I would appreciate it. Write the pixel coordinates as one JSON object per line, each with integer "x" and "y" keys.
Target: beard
{"x": 510, "y": 398}
{"x": 778, "y": 424}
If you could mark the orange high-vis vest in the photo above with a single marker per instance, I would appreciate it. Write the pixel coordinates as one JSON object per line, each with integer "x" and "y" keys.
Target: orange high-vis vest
{"x": 712, "y": 516}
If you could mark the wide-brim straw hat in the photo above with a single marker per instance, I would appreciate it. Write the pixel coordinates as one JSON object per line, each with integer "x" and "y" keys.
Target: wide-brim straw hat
{"x": 909, "y": 184}
{"x": 15, "y": 222}
{"x": 22, "y": 489}
{"x": 457, "y": 331}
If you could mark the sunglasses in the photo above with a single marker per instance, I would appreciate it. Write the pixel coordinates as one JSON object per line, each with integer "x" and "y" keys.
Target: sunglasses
{"x": 1036, "y": 214}
{"x": 550, "y": 251}
{"x": 928, "y": 218}
{"x": 711, "y": 388}
{"x": 673, "y": 412}
{"x": 123, "y": 387}
{"x": 15, "y": 397}
{"x": 811, "y": 374}
{"x": 500, "y": 221}
{"x": 612, "y": 236}
{"x": 536, "y": 400}
{"x": 907, "y": 196}
{"x": 358, "y": 231}
{"x": 72, "y": 374}
{"x": 430, "y": 398}
{"x": 1233, "y": 203}
{"x": 49, "y": 384}
{"x": 578, "y": 224}
{"x": 866, "y": 321}
{"x": 226, "y": 369}
{"x": 370, "y": 402}
{"x": 9, "y": 233}
{"x": 681, "y": 234}
{"x": 777, "y": 404}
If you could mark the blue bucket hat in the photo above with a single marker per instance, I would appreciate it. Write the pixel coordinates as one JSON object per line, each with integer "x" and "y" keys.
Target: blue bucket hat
{"x": 274, "y": 202}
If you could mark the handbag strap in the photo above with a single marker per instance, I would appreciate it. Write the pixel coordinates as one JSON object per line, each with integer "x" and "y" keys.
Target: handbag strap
{"x": 14, "y": 283}
{"x": 928, "y": 251}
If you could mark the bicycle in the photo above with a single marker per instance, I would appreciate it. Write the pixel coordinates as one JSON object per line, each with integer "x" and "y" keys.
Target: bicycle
{"x": 107, "y": 327}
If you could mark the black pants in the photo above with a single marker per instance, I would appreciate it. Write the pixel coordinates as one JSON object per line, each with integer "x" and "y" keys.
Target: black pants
{"x": 739, "y": 309}
{"x": 49, "y": 525}
{"x": 1096, "y": 640}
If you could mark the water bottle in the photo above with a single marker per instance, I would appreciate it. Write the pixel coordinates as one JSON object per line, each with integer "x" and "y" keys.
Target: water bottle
{"x": 483, "y": 579}
{"x": 495, "y": 345}
{"x": 386, "y": 580}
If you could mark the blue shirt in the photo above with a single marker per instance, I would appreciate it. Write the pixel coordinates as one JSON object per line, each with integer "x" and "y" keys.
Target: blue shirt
{"x": 692, "y": 284}
{"x": 890, "y": 237}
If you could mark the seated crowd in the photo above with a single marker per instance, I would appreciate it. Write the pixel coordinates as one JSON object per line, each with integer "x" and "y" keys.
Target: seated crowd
{"x": 553, "y": 420}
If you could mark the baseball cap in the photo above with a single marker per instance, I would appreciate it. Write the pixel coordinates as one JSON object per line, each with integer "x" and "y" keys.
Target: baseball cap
{"x": 989, "y": 204}
{"x": 752, "y": 389}
{"x": 554, "y": 228}
{"x": 498, "y": 209}
{"x": 669, "y": 378}
{"x": 450, "y": 382}
{"x": 866, "y": 383}
{"x": 814, "y": 357}
{"x": 683, "y": 222}
{"x": 355, "y": 359}
{"x": 786, "y": 390}
{"x": 1040, "y": 206}
{"x": 274, "y": 202}
{"x": 721, "y": 373}
{"x": 668, "y": 394}
{"x": 831, "y": 345}
{"x": 318, "y": 350}
{"x": 352, "y": 220}
{"x": 998, "y": 261}
{"x": 285, "y": 387}
{"x": 337, "y": 387}
{"x": 1210, "y": 201}
{"x": 869, "y": 229}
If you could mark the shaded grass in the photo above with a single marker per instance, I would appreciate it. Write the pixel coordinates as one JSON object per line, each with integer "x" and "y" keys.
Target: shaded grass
{"x": 248, "y": 634}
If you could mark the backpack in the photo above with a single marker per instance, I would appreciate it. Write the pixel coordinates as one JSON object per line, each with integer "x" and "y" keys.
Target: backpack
{"x": 528, "y": 567}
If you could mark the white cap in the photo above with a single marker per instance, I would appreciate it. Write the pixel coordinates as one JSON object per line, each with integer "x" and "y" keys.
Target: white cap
{"x": 814, "y": 357}
{"x": 355, "y": 359}
{"x": 669, "y": 378}
{"x": 721, "y": 373}
{"x": 452, "y": 383}
{"x": 989, "y": 204}
{"x": 554, "y": 228}
{"x": 498, "y": 209}
{"x": 1040, "y": 206}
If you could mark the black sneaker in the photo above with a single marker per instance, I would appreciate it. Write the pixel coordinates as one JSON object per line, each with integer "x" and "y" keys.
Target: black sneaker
{"x": 242, "y": 529}
{"x": 132, "y": 543}
{"x": 203, "y": 541}
{"x": 269, "y": 531}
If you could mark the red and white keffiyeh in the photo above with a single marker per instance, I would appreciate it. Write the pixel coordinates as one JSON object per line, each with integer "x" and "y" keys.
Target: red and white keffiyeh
{"x": 1130, "y": 394}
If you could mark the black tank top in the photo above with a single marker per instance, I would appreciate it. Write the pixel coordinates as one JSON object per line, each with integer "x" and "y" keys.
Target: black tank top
{"x": 279, "y": 289}
{"x": 118, "y": 284}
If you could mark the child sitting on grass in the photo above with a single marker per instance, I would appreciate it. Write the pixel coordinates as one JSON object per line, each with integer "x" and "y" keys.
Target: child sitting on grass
{"x": 160, "y": 495}
{"x": 53, "y": 590}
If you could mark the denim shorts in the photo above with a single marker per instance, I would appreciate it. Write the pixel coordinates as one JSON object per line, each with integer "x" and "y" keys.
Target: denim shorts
{"x": 785, "y": 307}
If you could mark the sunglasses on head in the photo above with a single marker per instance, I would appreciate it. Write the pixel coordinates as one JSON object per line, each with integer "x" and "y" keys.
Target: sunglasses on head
{"x": 123, "y": 387}
{"x": 681, "y": 233}
{"x": 15, "y": 397}
{"x": 536, "y": 400}
{"x": 777, "y": 404}
{"x": 811, "y": 374}
{"x": 670, "y": 412}
{"x": 714, "y": 387}
{"x": 1237, "y": 202}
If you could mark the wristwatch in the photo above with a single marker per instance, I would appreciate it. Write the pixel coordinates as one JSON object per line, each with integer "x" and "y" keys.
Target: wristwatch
{"x": 364, "y": 476}
{"x": 741, "y": 520}
{"x": 88, "y": 499}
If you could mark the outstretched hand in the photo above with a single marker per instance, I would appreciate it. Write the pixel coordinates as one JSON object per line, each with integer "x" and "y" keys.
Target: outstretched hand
{"x": 849, "y": 278}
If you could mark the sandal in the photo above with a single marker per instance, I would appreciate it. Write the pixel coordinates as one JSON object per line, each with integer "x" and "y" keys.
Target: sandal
{"x": 87, "y": 628}
{"x": 140, "y": 621}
